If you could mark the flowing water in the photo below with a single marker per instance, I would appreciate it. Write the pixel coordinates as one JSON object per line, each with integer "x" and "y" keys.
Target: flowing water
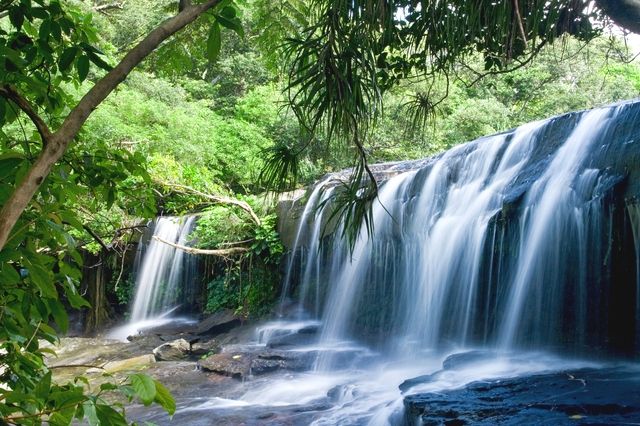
{"x": 165, "y": 277}
{"x": 510, "y": 245}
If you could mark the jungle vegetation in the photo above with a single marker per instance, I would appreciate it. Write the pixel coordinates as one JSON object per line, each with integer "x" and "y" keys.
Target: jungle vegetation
{"x": 112, "y": 112}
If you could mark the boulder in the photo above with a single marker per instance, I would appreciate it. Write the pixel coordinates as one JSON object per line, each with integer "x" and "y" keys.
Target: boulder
{"x": 129, "y": 364}
{"x": 218, "y": 323}
{"x": 237, "y": 365}
{"x": 586, "y": 396}
{"x": 173, "y": 351}
{"x": 205, "y": 347}
{"x": 270, "y": 361}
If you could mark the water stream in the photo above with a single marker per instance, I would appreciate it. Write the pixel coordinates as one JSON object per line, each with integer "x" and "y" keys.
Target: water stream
{"x": 512, "y": 246}
{"x": 165, "y": 277}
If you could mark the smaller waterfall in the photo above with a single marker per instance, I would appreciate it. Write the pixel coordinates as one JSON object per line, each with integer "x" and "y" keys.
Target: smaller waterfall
{"x": 165, "y": 277}
{"x": 308, "y": 259}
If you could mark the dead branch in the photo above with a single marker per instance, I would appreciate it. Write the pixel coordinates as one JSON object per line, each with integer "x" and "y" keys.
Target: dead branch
{"x": 228, "y": 252}
{"x": 218, "y": 200}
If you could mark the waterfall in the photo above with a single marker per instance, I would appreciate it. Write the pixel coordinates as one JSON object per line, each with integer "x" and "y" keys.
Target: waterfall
{"x": 158, "y": 283}
{"x": 505, "y": 242}
{"x": 165, "y": 276}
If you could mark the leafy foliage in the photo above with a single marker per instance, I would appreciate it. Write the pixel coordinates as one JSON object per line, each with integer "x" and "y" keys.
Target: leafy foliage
{"x": 246, "y": 284}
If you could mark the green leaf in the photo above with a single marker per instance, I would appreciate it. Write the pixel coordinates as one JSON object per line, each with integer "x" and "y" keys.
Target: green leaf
{"x": 16, "y": 16}
{"x": 214, "y": 42}
{"x": 43, "y": 280}
{"x": 229, "y": 12}
{"x": 82, "y": 65}
{"x": 90, "y": 413}
{"x": 45, "y": 30}
{"x": 67, "y": 58}
{"x": 164, "y": 398}
{"x": 56, "y": 31}
{"x": 59, "y": 314}
{"x": 107, "y": 416}
{"x": 3, "y": 110}
{"x": 144, "y": 387}
{"x": 233, "y": 24}
{"x": 61, "y": 418}
{"x": 98, "y": 61}
{"x": 76, "y": 301}
{"x": 43, "y": 387}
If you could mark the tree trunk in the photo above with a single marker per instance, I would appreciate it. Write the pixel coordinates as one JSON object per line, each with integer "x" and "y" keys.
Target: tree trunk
{"x": 56, "y": 144}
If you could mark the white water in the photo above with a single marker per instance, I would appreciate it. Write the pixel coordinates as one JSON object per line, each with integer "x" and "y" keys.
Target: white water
{"x": 161, "y": 278}
{"x": 492, "y": 246}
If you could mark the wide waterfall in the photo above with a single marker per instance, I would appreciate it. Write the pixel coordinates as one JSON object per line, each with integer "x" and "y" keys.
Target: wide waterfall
{"x": 500, "y": 284}
{"x": 166, "y": 276}
{"x": 505, "y": 242}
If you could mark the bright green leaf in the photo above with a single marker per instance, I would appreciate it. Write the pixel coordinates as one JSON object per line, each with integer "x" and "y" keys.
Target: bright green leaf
{"x": 164, "y": 398}
{"x": 59, "y": 314}
{"x": 144, "y": 387}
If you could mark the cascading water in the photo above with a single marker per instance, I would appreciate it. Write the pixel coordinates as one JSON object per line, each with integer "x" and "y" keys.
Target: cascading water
{"x": 513, "y": 246}
{"x": 433, "y": 274}
{"x": 164, "y": 277}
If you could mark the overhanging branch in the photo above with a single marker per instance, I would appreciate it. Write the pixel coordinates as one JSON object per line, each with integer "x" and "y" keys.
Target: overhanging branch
{"x": 218, "y": 199}
{"x": 12, "y": 94}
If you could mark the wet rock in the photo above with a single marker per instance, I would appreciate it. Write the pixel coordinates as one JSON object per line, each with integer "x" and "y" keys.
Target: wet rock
{"x": 237, "y": 365}
{"x": 296, "y": 339}
{"x": 270, "y": 361}
{"x": 173, "y": 351}
{"x": 452, "y": 362}
{"x": 218, "y": 323}
{"x": 464, "y": 359}
{"x": 261, "y": 366}
{"x": 129, "y": 364}
{"x": 205, "y": 347}
{"x": 587, "y": 396}
{"x": 409, "y": 383}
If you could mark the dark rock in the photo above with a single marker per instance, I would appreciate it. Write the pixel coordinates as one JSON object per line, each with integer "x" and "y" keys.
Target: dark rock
{"x": 270, "y": 361}
{"x": 234, "y": 364}
{"x": 297, "y": 339}
{"x": 409, "y": 383}
{"x": 218, "y": 323}
{"x": 205, "y": 347}
{"x": 587, "y": 396}
{"x": 173, "y": 351}
{"x": 463, "y": 359}
{"x": 261, "y": 366}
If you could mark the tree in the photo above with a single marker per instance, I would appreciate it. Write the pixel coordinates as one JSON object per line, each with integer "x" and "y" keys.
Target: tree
{"x": 47, "y": 49}
{"x": 50, "y": 51}
{"x": 352, "y": 53}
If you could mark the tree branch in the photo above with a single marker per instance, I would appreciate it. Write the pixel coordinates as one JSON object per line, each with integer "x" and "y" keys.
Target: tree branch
{"x": 12, "y": 94}
{"x": 218, "y": 199}
{"x": 97, "y": 238}
{"x": 60, "y": 140}
{"x": 231, "y": 251}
